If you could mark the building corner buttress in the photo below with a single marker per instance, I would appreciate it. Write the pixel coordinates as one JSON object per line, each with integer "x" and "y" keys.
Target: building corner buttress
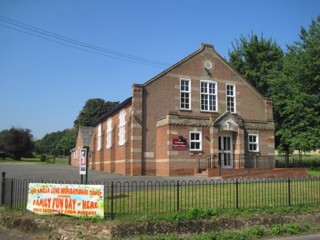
{"x": 136, "y": 129}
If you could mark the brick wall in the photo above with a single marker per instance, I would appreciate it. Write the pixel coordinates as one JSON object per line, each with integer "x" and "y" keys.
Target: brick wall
{"x": 275, "y": 173}
{"x": 162, "y": 95}
{"x": 75, "y": 155}
{"x": 148, "y": 147}
{"x": 117, "y": 157}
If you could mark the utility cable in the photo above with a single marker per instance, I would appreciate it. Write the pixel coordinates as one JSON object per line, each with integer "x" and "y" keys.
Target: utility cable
{"x": 69, "y": 42}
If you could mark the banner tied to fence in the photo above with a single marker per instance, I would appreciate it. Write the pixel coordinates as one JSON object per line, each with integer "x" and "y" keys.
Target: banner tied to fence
{"x": 69, "y": 199}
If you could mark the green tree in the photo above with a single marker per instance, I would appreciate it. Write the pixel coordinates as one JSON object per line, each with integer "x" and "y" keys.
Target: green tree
{"x": 48, "y": 143}
{"x": 16, "y": 142}
{"x": 67, "y": 141}
{"x": 259, "y": 60}
{"x": 296, "y": 95}
{"x": 92, "y": 111}
{"x": 3, "y": 135}
{"x": 57, "y": 143}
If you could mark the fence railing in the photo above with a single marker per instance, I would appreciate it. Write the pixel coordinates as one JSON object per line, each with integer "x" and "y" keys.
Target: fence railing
{"x": 293, "y": 161}
{"x": 230, "y": 163}
{"x": 141, "y": 198}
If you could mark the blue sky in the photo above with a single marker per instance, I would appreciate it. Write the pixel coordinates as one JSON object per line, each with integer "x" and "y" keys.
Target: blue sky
{"x": 44, "y": 85}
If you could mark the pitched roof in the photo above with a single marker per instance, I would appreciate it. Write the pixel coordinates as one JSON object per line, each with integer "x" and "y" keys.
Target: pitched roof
{"x": 202, "y": 48}
{"x": 86, "y": 134}
{"x": 227, "y": 116}
{"x": 114, "y": 110}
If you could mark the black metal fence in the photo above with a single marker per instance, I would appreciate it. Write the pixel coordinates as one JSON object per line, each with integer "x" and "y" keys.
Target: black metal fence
{"x": 235, "y": 162}
{"x": 141, "y": 198}
{"x": 294, "y": 161}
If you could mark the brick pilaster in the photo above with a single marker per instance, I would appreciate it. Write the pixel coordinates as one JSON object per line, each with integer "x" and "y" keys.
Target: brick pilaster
{"x": 136, "y": 129}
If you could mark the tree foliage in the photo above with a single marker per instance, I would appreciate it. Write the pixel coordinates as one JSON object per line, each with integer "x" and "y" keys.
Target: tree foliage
{"x": 296, "y": 94}
{"x": 291, "y": 80}
{"x": 92, "y": 111}
{"x": 57, "y": 143}
{"x": 259, "y": 60}
{"x": 16, "y": 142}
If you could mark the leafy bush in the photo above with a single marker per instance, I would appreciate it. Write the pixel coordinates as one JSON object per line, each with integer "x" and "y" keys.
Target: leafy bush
{"x": 256, "y": 231}
{"x": 294, "y": 228}
{"x": 276, "y": 230}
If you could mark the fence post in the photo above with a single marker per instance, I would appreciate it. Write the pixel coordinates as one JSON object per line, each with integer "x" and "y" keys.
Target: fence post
{"x": 178, "y": 196}
{"x": 11, "y": 197}
{"x": 237, "y": 194}
{"x": 3, "y": 187}
{"x": 289, "y": 192}
{"x": 112, "y": 197}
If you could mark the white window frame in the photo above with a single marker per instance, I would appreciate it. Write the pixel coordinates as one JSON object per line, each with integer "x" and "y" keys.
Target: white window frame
{"x": 195, "y": 140}
{"x": 209, "y": 94}
{"x": 99, "y": 134}
{"x": 109, "y": 133}
{"x": 122, "y": 127}
{"x": 187, "y": 92}
{"x": 231, "y": 96}
{"x": 253, "y": 143}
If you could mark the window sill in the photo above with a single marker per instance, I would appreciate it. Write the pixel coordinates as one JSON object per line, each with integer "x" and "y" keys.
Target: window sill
{"x": 192, "y": 152}
{"x": 208, "y": 111}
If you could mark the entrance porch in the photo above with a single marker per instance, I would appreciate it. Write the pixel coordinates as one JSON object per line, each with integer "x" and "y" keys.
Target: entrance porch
{"x": 231, "y": 164}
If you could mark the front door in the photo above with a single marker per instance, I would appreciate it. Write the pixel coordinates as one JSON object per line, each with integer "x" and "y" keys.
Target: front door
{"x": 226, "y": 151}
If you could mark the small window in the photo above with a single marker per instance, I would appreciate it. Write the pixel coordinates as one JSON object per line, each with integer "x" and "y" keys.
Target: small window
{"x": 185, "y": 94}
{"x": 253, "y": 142}
{"x": 195, "y": 141}
{"x": 109, "y": 133}
{"x": 99, "y": 137}
{"x": 231, "y": 98}
{"x": 122, "y": 127}
{"x": 208, "y": 91}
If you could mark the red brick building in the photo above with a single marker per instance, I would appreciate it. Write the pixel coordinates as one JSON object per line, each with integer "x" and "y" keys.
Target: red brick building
{"x": 199, "y": 108}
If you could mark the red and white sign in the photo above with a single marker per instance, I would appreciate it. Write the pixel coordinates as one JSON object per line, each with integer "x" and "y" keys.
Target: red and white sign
{"x": 69, "y": 199}
{"x": 179, "y": 144}
{"x": 83, "y": 161}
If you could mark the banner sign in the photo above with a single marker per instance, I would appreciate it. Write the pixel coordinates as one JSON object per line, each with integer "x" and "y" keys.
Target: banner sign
{"x": 83, "y": 161}
{"x": 69, "y": 199}
{"x": 179, "y": 144}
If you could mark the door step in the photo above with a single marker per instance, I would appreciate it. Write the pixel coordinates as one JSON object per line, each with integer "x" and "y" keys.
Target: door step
{"x": 202, "y": 174}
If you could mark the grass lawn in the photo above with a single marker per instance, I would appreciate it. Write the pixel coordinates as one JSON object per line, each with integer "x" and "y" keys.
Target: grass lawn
{"x": 314, "y": 173}
{"x": 36, "y": 160}
{"x": 149, "y": 199}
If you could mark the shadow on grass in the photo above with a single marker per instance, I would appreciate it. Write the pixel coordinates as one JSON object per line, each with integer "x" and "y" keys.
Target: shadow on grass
{"x": 33, "y": 161}
{"x": 117, "y": 196}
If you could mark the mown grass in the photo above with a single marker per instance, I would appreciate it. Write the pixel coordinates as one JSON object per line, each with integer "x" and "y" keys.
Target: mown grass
{"x": 253, "y": 194}
{"x": 36, "y": 160}
{"x": 210, "y": 213}
{"x": 314, "y": 172}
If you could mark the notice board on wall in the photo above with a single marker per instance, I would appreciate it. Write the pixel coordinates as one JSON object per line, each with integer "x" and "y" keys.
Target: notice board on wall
{"x": 179, "y": 144}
